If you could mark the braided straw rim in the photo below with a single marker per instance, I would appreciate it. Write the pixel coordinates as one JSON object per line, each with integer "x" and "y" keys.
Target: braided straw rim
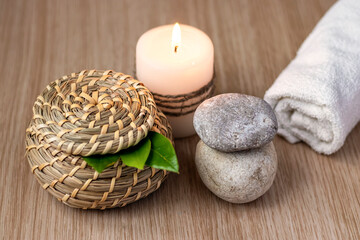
{"x": 119, "y": 111}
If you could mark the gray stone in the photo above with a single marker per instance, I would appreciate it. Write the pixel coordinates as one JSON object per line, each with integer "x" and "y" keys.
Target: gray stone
{"x": 237, "y": 177}
{"x": 233, "y": 122}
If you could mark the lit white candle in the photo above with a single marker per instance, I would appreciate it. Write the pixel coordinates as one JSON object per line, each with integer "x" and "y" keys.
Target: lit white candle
{"x": 170, "y": 61}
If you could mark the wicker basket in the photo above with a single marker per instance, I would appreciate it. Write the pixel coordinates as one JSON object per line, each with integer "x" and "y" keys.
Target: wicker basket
{"x": 86, "y": 113}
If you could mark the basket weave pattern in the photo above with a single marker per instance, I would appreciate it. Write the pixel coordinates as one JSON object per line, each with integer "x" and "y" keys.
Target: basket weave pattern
{"x": 87, "y": 113}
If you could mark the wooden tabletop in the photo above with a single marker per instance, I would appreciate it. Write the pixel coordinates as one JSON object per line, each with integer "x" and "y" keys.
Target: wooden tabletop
{"x": 313, "y": 196}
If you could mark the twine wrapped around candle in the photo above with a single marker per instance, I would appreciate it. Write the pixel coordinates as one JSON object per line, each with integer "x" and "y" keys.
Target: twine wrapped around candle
{"x": 178, "y": 105}
{"x": 182, "y": 104}
{"x": 87, "y": 113}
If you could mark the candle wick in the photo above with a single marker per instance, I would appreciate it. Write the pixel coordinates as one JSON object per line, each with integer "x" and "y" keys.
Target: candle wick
{"x": 176, "y": 47}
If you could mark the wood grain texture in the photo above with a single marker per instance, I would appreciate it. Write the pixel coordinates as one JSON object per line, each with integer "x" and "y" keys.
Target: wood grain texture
{"x": 313, "y": 196}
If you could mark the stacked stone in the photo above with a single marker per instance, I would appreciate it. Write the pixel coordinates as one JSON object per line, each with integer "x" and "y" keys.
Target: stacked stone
{"x": 235, "y": 157}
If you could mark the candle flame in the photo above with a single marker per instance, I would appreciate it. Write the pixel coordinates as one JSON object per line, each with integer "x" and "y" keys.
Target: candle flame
{"x": 176, "y": 37}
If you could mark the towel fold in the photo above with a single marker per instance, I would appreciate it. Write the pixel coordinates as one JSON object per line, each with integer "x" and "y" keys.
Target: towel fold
{"x": 317, "y": 96}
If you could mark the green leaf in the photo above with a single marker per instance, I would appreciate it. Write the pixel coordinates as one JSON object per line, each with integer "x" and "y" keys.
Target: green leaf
{"x": 162, "y": 154}
{"x": 133, "y": 157}
{"x": 155, "y": 151}
{"x": 136, "y": 156}
{"x": 100, "y": 162}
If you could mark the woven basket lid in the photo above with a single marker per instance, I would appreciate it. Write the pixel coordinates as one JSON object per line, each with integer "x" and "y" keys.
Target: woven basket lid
{"x": 91, "y": 113}
{"x": 87, "y": 113}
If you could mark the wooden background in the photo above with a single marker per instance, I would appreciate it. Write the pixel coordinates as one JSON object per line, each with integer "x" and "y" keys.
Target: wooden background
{"x": 313, "y": 196}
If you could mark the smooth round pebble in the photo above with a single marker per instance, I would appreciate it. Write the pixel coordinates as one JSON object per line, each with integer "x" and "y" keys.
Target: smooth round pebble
{"x": 232, "y": 122}
{"x": 237, "y": 177}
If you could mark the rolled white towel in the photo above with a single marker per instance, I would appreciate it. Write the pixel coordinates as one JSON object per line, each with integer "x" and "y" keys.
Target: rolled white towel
{"x": 317, "y": 96}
